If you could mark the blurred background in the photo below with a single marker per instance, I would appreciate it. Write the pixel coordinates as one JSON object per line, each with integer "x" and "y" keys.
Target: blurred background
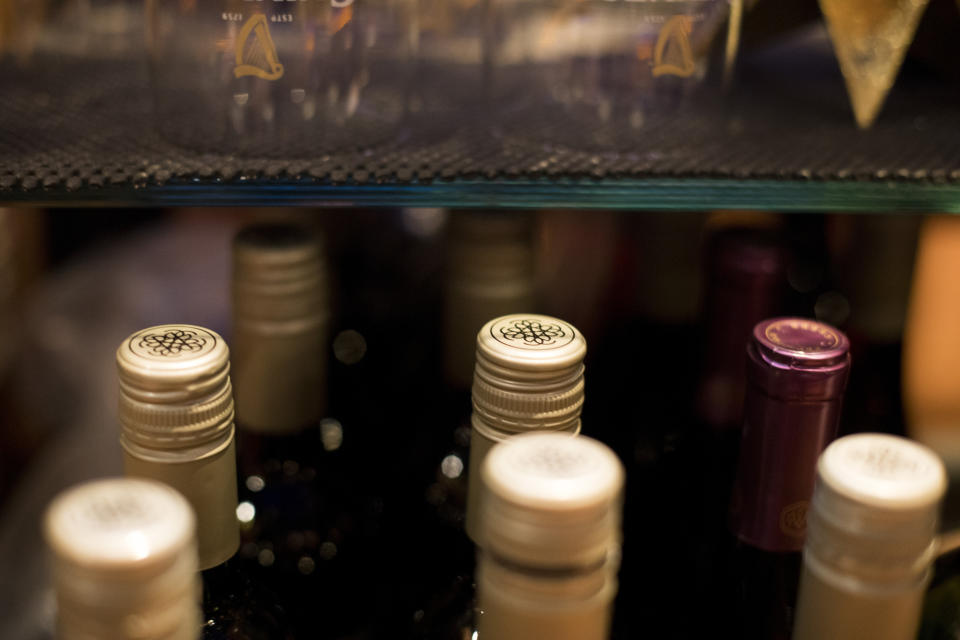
{"x": 646, "y": 143}
{"x": 649, "y": 291}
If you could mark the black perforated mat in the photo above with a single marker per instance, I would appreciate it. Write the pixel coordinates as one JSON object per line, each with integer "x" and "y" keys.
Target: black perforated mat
{"x": 81, "y": 126}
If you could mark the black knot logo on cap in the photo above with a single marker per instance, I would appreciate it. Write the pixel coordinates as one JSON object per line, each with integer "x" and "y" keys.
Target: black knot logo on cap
{"x": 172, "y": 343}
{"x": 533, "y": 332}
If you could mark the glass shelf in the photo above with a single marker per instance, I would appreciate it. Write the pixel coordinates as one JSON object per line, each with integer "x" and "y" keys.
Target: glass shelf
{"x": 690, "y": 194}
{"x": 82, "y": 132}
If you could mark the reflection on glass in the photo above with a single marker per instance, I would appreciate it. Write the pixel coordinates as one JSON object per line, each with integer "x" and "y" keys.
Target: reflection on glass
{"x": 268, "y": 77}
{"x": 871, "y": 38}
{"x": 601, "y": 62}
{"x": 450, "y": 56}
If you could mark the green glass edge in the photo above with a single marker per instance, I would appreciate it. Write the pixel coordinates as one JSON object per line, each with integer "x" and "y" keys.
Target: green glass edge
{"x": 687, "y": 194}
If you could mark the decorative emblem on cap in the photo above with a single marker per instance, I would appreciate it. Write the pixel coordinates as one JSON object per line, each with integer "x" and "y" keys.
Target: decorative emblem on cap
{"x": 886, "y": 462}
{"x": 172, "y": 343}
{"x": 117, "y": 510}
{"x": 531, "y": 333}
{"x": 555, "y": 462}
{"x": 802, "y": 335}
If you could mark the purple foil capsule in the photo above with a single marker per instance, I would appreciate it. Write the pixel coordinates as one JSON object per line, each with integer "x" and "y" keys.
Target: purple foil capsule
{"x": 797, "y": 371}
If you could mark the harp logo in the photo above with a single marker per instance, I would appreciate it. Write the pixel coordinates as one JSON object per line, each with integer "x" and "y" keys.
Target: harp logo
{"x": 673, "y": 54}
{"x": 256, "y": 53}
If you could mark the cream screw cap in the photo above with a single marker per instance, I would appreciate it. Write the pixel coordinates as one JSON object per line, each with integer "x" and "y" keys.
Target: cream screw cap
{"x": 280, "y": 328}
{"x": 875, "y": 509}
{"x": 552, "y": 500}
{"x": 279, "y": 278}
{"x": 175, "y": 393}
{"x": 176, "y": 414}
{"x": 124, "y": 561}
{"x": 882, "y": 473}
{"x": 529, "y": 373}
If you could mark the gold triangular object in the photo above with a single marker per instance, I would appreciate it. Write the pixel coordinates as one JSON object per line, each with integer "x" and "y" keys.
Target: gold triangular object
{"x": 256, "y": 53}
{"x": 734, "y": 23}
{"x": 673, "y": 54}
{"x": 871, "y": 38}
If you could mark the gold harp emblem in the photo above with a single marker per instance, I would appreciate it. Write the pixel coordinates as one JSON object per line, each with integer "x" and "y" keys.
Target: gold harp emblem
{"x": 673, "y": 54}
{"x": 256, "y": 53}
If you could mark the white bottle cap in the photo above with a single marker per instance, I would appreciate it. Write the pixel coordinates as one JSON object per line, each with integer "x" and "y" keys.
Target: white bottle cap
{"x": 280, "y": 328}
{"x": 881, "y": 471}
{"x": 875, "y": 510}
{"x": 552, "y": 501}
{"x": 529, "y": 373}
{"x": 124, "y": 561}
{"x": 175, "y": 396}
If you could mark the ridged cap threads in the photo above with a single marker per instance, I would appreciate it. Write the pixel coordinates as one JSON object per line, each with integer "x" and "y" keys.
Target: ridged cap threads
{"x": 529, "y": 373}
{"x": 279, "y": 279}
{"x": 175, "y": 394}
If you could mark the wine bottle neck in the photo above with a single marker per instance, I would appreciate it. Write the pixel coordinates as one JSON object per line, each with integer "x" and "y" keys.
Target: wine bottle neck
{"x": 482, "y": 438}
{"x": 280, "y": 379}
{"x": 210, "y": 486}
{"x": 517, "y": 603}
{"x": 832, "y": 605}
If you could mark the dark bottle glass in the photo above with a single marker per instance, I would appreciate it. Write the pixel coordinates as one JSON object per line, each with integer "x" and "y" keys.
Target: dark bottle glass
{"x": 301, "y": 525}
{"x": 877, "y": 294}
{"x": 941, "y": 604}
{"x": 797, "y": 372}
{"x": 529, "y": 377}
{"x": 744, "y": 282}
{"x": 279, "y": 362}
{"x": 177, "y": 427}
{"x": 235, "y": 607}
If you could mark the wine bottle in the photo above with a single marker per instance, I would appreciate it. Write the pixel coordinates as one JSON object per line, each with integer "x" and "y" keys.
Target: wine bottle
{"x": 291, "y": 458}
{"x": 797, "y": 371}
{"x": 745, "y": 280}
{"x": 124, "y": 561}
{"x": 744, "y": 277}
{"x": 176, "y": 416}
{"x": 489, "y": 274}
{"x": 550, "y": 523}
{"x": 528, "y": 377}
{"x": 871, "y": 539}
{"x": 941, "y": 603}
{"x": 278, "y": 366}
{"x": 876, "y": 294}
